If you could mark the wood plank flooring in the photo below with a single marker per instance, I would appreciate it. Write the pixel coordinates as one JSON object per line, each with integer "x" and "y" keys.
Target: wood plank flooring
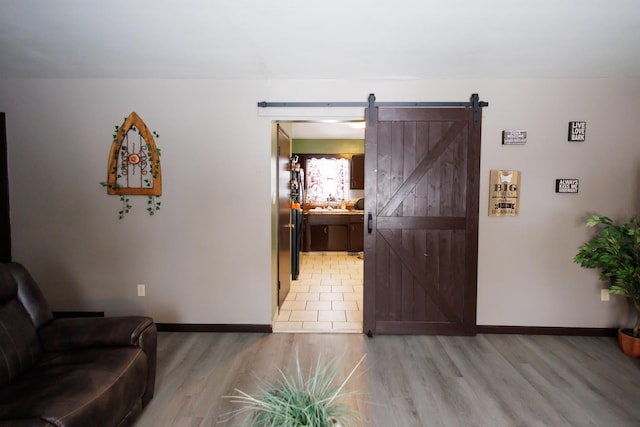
{"x": 486, "y": 380}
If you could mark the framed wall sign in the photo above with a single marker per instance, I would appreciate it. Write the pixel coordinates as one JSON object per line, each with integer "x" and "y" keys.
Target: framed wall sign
{"x": 577, "y": 131}
{"x": 504, "y": 192}
{"x": 514, "y": 137}
{"x": 567, "y": 185}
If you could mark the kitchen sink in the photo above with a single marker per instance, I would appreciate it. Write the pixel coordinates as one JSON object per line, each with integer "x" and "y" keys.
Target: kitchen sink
{"x": 330, "y": 211}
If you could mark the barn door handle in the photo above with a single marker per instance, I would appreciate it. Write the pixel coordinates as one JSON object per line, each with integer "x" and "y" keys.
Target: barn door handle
{"x": 370, "y": 223}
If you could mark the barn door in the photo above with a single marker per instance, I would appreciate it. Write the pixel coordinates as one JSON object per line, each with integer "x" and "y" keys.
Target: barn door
{"x": 421, "y": 219}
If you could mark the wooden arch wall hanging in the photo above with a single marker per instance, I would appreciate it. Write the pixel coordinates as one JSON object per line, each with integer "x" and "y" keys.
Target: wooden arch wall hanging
{"x": 134, "y": 164}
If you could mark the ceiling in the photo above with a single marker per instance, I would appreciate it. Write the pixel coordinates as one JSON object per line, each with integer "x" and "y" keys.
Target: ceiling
{"x": 324, "y": 130}
{"x": 329, "y": 39}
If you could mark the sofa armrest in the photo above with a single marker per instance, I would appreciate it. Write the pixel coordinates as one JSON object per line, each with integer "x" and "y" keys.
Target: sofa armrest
{"x": 73, "y": 333}
{"x": 81, "y": 332}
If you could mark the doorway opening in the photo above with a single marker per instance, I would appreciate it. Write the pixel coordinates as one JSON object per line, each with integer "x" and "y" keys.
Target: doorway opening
{"x": 326, "y": 291}
{"x": 421, "y": 246}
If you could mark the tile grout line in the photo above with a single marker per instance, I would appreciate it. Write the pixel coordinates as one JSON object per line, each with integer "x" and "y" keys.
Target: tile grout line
{"x": 306, "y": 280}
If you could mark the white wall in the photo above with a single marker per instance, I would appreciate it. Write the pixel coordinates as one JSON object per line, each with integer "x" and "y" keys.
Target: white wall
{"x": 206, "y": 257}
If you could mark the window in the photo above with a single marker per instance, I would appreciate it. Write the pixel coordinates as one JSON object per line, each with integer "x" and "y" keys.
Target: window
{"x": 327, "y": 180}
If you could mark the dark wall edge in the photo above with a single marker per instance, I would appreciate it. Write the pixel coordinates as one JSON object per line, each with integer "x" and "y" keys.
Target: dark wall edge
{"x": 547, "y": 330}
{"x": 208, "y": 327}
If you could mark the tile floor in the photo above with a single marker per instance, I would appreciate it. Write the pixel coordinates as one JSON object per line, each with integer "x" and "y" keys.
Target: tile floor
{"x": 327, "y": 297}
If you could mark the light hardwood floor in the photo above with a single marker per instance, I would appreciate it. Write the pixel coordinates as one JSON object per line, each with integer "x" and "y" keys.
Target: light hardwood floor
{"x": 486, "y": 380}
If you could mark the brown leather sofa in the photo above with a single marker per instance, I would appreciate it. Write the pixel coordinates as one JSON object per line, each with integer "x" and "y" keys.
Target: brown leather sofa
{"x": 69, "y": 372}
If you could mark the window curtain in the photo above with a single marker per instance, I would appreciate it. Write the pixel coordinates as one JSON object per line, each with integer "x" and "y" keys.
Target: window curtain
{"x": 327, "y": 179}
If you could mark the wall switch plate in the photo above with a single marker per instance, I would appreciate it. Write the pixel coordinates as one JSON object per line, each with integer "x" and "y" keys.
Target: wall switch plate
{"x": 141, "y": 290}
{"x": 604, "y": 294}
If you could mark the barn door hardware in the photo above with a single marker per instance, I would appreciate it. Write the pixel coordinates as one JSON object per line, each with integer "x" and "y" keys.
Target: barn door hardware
{"x": 474, "y": 103}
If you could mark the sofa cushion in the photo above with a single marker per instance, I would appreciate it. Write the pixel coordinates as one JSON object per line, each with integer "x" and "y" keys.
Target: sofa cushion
{"x": 96, "y": 386}
{"x": 19, "y": 344}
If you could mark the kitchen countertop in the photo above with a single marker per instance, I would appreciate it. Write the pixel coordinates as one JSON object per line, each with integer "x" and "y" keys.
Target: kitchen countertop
{"x": 323, "y": 211}
{"x": 333, "y": 217}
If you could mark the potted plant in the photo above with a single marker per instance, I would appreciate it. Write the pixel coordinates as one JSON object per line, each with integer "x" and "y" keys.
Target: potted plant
{"x": 615, "y": 251}
{"x": 298, "y": 399}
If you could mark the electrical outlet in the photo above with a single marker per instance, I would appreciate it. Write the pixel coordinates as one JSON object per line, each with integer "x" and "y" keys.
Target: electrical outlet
{"x": 604, "y": 294}
{"x": 141, "y": 290}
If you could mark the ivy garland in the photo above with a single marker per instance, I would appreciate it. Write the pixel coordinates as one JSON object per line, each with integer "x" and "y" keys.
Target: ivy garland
{"x": 153, "y": 202}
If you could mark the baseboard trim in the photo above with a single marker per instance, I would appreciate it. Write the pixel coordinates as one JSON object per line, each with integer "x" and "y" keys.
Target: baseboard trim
{"x": 65, "y": 314}
{"x": 547, "y": 330}
{"x": 480, "y": 329}
{"x": 213, "y": 327}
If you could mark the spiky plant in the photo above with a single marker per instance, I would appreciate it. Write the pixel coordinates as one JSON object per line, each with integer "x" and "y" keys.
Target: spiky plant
{"x": 615, "y": 251}
{"x": 299, "y": 399}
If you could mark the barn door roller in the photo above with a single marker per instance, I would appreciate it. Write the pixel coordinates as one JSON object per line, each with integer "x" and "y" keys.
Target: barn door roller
{"x": 474, "y": 103}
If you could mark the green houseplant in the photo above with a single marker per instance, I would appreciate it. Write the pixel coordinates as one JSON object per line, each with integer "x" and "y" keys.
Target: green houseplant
{"x": 615, "y": 250}
{"x": 299, "y": 399}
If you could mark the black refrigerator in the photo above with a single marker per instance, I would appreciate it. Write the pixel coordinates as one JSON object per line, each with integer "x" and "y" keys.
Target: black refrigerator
{"x": 297, "y": 190}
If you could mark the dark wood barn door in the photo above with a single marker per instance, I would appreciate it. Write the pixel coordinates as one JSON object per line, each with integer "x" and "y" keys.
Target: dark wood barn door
{"x": 421, "y": 206}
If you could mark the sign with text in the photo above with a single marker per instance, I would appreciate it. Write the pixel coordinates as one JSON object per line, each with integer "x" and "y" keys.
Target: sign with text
{"x": 577, "y": 131}
{"x": 504, "y": 192}
{"x": 514, "y": 137}
{"x": 565, "y": 185}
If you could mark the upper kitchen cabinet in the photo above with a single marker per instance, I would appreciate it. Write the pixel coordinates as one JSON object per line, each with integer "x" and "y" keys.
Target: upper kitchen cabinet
{"x": 357, "y": 172}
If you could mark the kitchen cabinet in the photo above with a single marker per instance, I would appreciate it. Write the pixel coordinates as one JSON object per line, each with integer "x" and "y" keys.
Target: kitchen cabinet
{"x": 329, "y": 238}
{"x": 357, "y": 172}
{"x": 318, "y": 238}
{"x": 338, "y": 237}
{"x": 335, "y": 232}
{"x": 356, "y": 237}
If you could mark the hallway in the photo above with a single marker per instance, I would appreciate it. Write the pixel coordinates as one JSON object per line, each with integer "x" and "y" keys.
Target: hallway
{"x": 327, "y": 297}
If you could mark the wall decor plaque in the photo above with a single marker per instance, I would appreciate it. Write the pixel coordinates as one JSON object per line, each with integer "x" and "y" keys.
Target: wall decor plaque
{"x": 514, "y": 137}
{"x": 134, "y": 165}
{"x": 566, "y": 185}
{"x": 504, "y": 192}
{"x": 577, "y": 131}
